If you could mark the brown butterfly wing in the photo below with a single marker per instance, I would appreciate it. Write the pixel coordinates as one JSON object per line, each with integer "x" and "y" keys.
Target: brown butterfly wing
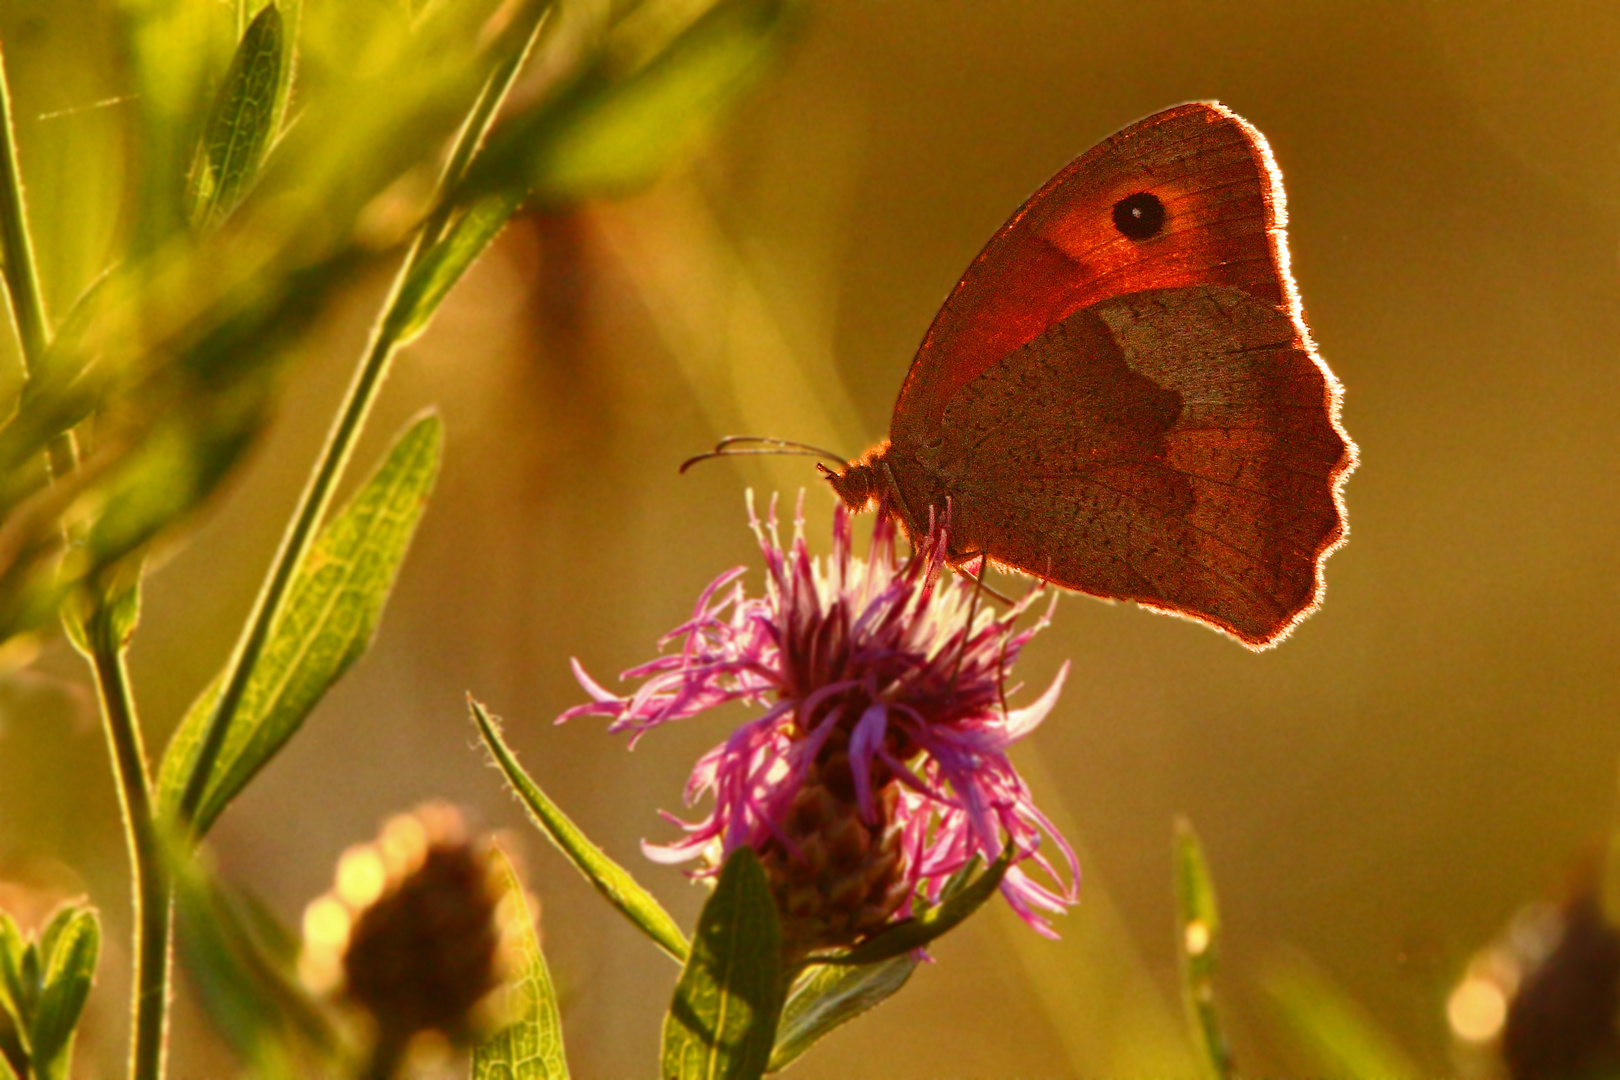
{"x": 1140, "y": 417}
{"x": 1062, "y": 252}
{"x": 1172, "y": 447}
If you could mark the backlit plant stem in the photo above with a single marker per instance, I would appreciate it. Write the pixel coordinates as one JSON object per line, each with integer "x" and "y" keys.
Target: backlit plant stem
{"x": 317, "y": 495}
{"x": 22, "y": 282}
{"x": 21, "y": 272}
{"x": 150, "y": 899}
{"x": 312, "y": 506}
{"x": 153, "y": 909}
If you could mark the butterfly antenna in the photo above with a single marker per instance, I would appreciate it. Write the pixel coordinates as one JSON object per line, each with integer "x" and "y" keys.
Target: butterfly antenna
{"x": 755, "y": 445}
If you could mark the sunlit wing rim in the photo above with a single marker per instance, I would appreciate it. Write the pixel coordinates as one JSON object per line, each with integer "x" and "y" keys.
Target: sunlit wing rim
{"x": 1277, "y": 230}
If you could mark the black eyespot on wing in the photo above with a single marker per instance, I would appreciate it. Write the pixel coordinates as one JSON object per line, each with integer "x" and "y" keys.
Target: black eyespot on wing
{"x": 1139, "y": 216}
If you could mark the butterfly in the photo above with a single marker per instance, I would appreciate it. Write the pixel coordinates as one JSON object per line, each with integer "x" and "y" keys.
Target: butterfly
{"x": 1121, "y": 395}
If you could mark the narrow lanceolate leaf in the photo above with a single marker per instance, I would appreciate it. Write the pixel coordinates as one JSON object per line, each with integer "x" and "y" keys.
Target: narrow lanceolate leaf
{"x": 250, "y": 995}
{"x": 70, "y": 968}
{"x": 332, "y": 610}
{"x": 13, "y": 1058}
{"x": 242, "y": 123}
{"x": 613, "y": 131}
{"x": 441, "y": 267}
{"x": 829, "y": 996}
{"x": 722, "y": 1023}
{"x": 455, "y": 246}
{"x": 1198, "y": 924}
{"x": 530, "y": 1046}
{"x": 12, "y": 947}
{"x": 14, "y": 1004}
{"x": 914, "y": 933}
{"x": 611, "y": 880}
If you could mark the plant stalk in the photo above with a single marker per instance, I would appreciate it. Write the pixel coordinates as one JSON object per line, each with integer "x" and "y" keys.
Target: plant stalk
{"x": 17, "y": 258}
{"x": 150, "y": 896}
{"x": 20, "y": 270}
{"x": 317, "y": 496}
{"x": 295, "y": 543}
{"x": 152, "y": 908}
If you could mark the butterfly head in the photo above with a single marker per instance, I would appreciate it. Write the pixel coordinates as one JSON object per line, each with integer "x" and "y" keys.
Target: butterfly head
{"x": 863, "y": 482}
{"x": 858, "y": 485}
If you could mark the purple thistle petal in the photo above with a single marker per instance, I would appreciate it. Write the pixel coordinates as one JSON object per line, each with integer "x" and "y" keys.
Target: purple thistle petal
{"x": 875, "y": 662}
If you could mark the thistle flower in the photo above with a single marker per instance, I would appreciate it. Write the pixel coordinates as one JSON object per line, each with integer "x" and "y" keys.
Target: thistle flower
{"x": 879, "y": 767}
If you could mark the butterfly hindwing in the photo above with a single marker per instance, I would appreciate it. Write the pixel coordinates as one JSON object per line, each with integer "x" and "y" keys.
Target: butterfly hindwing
{"x": 1171, "y": 447}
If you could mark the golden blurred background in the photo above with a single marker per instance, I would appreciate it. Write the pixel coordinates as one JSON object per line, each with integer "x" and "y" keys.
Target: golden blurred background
{"x": 1434, "y": 748}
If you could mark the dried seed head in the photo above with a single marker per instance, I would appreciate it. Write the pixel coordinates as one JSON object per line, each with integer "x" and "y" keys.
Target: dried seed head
{"x": 1545, "y": 995}
{"x": 1565, "y": 1018}
{"x": 412, "y": 931}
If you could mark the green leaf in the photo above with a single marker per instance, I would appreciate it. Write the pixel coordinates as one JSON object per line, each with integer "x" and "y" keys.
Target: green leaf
{"x": 15, "y": 1007}
{"x": 530, "y": 1046}
{"x": 252, "y": 998}
{"x": 611, "y": 880}
{"x": 452, "y": 248}
{"x": 1198, "y": 925}
{"x": 30, "y": 984}
{"x": 1334, "y": 1031}
{"x": 13, "y": 1059}
{"x": 12, "y": 947}
{"x": 433, "y": 278}
{"x": 914, "y": 933}
{"x": 174, "y": 49}
{"x": 615, "y": 131}
{"x": 830, "y": 995}
{"x": 242, "y": 121}
{"x": 70, "y": 955}
{"x": 722, "y": 1022}
{"x": 333, "y": 607}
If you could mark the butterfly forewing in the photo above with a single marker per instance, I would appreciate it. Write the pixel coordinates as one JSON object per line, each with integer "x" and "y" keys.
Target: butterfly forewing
{"x": 1063, "y": 251}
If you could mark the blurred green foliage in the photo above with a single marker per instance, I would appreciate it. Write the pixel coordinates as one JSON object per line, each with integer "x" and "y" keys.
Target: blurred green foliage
{"x": 1199, "y": 924}
{"x": 241, "y": 965}
{"x": 275, "y": 158}
{"x": 43, "y": 986}
{"x": 279, "y": 156}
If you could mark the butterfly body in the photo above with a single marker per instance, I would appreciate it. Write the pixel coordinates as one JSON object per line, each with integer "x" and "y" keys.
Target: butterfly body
{"x": 1121, "y": 396}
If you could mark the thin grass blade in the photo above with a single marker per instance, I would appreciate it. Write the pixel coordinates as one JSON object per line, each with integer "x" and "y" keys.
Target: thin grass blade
{"x": 611, "y": 880}
{"x": 1198, "y": 925}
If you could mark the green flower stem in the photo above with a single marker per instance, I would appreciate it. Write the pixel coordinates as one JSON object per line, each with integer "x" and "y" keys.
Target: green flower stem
{"x": 17, "y": 256}
{"x": 340, "y": 441}
{"x": 152, "y": 902}
{"x": 151, "y": 899}
{"x": 21, "y": 272}
{"x": 312, "y": 506}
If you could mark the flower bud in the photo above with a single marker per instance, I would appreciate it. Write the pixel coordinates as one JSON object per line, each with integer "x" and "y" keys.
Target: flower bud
{"x": 410, "y": 931}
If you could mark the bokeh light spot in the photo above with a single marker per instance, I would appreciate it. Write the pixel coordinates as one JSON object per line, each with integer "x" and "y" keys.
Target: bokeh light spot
{"x": 1477, "y": 1009}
